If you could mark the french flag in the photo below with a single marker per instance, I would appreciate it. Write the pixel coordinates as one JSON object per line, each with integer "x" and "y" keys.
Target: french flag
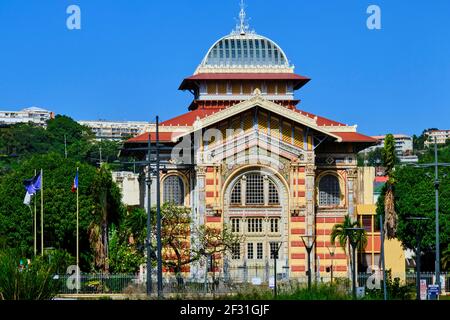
{"x": 75, "y": 183}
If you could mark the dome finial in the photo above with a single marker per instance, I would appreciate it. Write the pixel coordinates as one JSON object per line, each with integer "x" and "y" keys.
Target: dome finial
{"x": 243, "y": 27}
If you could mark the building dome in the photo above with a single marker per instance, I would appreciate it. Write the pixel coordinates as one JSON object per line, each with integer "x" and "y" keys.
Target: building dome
{"x": 245, "y": 51}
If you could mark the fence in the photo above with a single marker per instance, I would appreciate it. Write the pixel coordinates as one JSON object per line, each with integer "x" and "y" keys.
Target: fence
{"x": 217, "y": 283}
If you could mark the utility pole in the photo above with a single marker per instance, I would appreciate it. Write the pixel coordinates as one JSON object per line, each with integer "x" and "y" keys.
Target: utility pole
{"x": 383, "y": 258}
{"x": 149, "y": 225}
{"x": 275, "y": 248}
{"x": 100, "y": 151}
{"x": 158, "y": 213}
{"x": 65, "y": 146}
{"x": 309, "y": 248}
{"x": 419, "y": 236}
{"x": 436, "y": 166}
{"x": 436, "y": 187}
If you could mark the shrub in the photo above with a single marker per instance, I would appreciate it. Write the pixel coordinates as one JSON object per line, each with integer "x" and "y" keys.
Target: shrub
{"x": 23, "y": 280}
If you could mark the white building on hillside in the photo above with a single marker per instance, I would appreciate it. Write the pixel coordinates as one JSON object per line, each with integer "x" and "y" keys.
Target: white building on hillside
{"x": 441, "y": 137}
{"x": 33, "y": 115}
{"x": 117, "y": 130}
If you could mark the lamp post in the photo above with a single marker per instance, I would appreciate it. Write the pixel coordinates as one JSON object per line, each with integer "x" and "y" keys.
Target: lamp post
{"x": 419, "y": 236}
{"x": 274, "y": 249}
{"x": 332, "y": 250}
{"x": 308, "y": 250}
{"x": 354, "y": 242}
{"x": 436, "y": 166}
{"x": 148, "y": 180}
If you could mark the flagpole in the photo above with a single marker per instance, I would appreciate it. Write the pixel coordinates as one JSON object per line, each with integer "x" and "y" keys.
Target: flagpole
{"x": 35, "y": 224}
{"x": 78, "y": 256}
{"x": 42, "y": 213}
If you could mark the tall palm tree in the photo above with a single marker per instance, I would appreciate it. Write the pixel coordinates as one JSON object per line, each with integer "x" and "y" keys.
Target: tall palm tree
{"x": 106, "y": 210}
{"x": 345, "y": 236}
{"x": 389, "y": 159}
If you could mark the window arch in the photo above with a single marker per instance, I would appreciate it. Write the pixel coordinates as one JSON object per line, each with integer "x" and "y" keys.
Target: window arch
{"x": 173, "y": 190}
{"x": 273, "y": 194}
{"x": 236, "y": 193}
{"x": 254, "y": 192}
{"x": 254, "y": 189}
{"x": 329, "y": 191}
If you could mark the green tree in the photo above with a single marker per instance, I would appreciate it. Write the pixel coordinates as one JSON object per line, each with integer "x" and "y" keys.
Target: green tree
{"x": 175, "y": 235}
{"x": 389, "y": 160}
{"x": 345, "y": 237}
{"x": 415, "y": 197}
{"x": 107, "y": 210}
{"x": 16, "y": 219}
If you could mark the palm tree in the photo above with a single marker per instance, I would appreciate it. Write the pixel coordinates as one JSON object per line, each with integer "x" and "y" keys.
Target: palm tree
{"x": 345, "y": 236}
{"x": 389, "y": 159}
{"x": 106, "y": 211}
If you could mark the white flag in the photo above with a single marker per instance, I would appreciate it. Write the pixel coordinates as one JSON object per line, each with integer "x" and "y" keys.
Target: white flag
{"x": 27, "y": 199}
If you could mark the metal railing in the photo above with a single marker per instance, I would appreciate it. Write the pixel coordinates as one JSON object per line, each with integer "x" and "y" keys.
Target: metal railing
{"x": 217, "y": 283}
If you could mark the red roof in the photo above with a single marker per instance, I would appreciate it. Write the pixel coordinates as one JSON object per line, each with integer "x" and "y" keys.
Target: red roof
{"x": 381, "y": 179}
{"x": 321, "y": 121}
{"x": 189, "y": 118}
{"x": 354, "y": 137}
{"x": 189, "y": 83}
{"x": 163, "y": 137}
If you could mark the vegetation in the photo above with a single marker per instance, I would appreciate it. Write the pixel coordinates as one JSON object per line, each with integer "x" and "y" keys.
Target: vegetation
{"x": 390, "y": 216}
{"x": 415, "y": 197}
{"x": 30, "y": 280}
{"x": 345, "y": 237}
{"x": 395, "y": 290}
{"x": 176, "y": 228}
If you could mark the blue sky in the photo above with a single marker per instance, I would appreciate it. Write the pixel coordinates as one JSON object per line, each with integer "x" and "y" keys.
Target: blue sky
{"x": 127, "y": 61}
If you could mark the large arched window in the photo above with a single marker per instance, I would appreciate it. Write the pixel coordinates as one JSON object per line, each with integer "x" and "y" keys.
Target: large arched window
{"x": 174, "y": 190}
{"x": 329, "y": 191}
{"x": 254, "y": 192}
{"x": 255, "y": 187}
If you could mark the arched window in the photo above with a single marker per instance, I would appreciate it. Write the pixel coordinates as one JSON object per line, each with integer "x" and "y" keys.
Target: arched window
{"x": 236, "y": 193}
{"x": 174, "y": 190}
{"x": 256, "y": 186}
{"x": 254, "y": 193}
{"x": 273, "y": 194}
{"x": 329, "y": 191}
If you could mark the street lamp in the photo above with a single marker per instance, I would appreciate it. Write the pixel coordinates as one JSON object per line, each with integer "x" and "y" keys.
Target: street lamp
{"x": 419, "y": 236}
{"x": 308, "y": 250}
{"x": 332, "y": 250}
{"x": 274, "y": 249}
{"x": 436, "y": 166}
{"x": 354, "y": 242}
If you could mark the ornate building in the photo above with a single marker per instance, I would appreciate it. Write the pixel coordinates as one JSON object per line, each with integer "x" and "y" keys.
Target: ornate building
{"x": 246, "y": 156}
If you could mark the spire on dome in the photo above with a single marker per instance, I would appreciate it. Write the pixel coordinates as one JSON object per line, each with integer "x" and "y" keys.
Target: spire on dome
{"x": 242, "y": 27}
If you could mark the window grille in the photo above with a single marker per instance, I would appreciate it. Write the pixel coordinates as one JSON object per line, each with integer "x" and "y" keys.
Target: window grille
{"x": 273, "y": 250}
{"x": 329, "y": 191}
{"x": 255, "y": 189}
{"x": 236, "y": 251}
{"x": 274, "y": 225}
{"x": 235, "y": 225}
{"x": 273, "y": 194}
{"x": 174, "y": 190}
{"x": 236, "y": 193}
{"x": 259, "y": 251}
{"x": 250, "y": 251}
{"x": 254, "y": 225}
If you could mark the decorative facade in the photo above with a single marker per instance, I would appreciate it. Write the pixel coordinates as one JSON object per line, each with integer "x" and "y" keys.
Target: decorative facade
{"x": 246, "y": 156}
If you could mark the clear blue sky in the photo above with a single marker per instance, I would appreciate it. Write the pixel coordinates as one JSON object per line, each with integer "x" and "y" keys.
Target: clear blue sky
{"x": 127, "y": 61}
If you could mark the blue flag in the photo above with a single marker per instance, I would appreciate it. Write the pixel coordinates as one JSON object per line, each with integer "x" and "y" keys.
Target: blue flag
{"x": 31, "y": 186}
